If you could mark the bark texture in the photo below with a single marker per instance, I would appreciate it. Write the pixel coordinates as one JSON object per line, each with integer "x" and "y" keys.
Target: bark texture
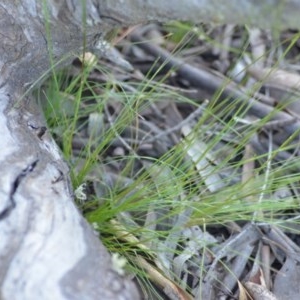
{"x": 47, "y": 250}
{"x": 271, "y": 14}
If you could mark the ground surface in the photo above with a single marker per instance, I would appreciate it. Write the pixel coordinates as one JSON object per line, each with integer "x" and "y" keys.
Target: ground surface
{"x": 187, "y": 160}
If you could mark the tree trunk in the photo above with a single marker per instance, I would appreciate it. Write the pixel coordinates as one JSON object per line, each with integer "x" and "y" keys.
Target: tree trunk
{"x": 47, "y": 250}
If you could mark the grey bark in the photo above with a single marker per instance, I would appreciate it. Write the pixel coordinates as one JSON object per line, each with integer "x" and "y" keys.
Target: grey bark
{"x": 47, "y": 250}
{"x": 275, "y": 14}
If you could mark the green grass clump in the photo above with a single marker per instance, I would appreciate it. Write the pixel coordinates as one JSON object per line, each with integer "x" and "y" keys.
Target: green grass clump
{"x": 152, "y": 199}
